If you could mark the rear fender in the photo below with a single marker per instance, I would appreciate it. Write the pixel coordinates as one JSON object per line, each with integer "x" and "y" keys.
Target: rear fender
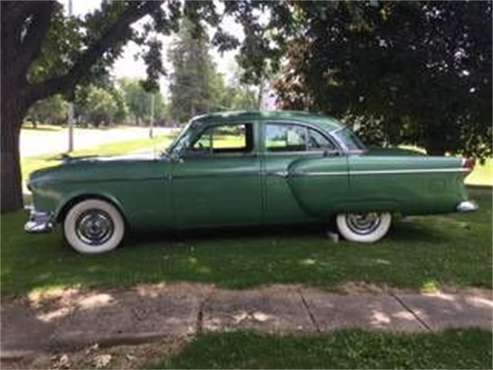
{"x": 319, "y": 185}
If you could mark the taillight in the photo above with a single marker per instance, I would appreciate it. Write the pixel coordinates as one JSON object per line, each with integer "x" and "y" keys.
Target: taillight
{"x": 468, "y": 163}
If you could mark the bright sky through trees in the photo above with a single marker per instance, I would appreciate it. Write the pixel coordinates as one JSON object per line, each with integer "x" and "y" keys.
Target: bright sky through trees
{"x": 129, "y": 66}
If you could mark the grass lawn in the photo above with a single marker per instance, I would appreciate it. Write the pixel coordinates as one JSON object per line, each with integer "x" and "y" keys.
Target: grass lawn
{"x": 30, "y": 164}
{"x": 349, "y": 349}
{"x": 482, "y": 174}
{"x": 426, "y": 253}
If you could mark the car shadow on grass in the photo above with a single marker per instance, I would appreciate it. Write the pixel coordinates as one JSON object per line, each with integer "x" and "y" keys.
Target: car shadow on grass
{"x": 403, "y": 232}
{"x": 225, "y": 233}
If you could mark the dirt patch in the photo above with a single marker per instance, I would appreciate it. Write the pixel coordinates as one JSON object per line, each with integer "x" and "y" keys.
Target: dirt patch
{"x": 478, "y": 292}
{"x": 361, "y": 287}
{"x": 118, "y": 357}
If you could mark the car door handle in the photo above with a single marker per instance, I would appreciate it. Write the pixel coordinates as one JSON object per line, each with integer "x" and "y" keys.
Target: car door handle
{"x": 283, "y": 174}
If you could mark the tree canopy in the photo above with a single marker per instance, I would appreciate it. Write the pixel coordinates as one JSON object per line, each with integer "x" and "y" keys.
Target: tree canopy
{"x": 409, "y": 72}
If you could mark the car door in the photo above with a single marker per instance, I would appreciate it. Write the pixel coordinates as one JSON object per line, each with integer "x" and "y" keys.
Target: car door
{"x": 216, "y": 182}
{"x": 303, "y": 173}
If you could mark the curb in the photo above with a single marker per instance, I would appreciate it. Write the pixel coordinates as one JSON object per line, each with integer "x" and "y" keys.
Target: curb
{"x": 17, "y": 355}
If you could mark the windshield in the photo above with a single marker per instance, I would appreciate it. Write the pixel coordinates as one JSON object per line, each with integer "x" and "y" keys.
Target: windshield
{"x": 349, "y": 139}
{"x": 181, "y": 141}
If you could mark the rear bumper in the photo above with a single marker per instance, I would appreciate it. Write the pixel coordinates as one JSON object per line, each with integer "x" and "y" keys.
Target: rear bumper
{"x": 467, "y": 206}
{"x": 39, "y": 222}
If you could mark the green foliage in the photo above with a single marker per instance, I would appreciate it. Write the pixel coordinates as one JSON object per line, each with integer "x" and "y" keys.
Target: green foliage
{"x": 232, "y": 96}
{"x": 60, "y": 48}
{"x": 344, "y": 349}
{"x": 138, "y": 101}
{"x": 100, "y": 106}
{"x": 122, "y": 110}
{"x": 53, "y": 110}
{"x": 418, "y": 73}
{"x": 93, "y": 104}
{"x": 193, "y": 73}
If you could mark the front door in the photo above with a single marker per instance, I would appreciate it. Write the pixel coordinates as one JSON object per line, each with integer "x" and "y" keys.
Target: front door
{"x": 217, "y": 180}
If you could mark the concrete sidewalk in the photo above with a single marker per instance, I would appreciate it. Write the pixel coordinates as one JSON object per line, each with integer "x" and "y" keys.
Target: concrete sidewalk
{"x": 74, "y": 320}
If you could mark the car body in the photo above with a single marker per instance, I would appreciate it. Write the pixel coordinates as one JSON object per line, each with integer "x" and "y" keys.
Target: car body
{"x": 253, "y": 168}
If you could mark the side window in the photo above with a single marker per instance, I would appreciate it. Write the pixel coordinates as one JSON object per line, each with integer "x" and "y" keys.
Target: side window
{"x": 285, "y": 138}
{"x": 237, "y": 138}
{"x": 316, "y": 141}
{"x": 294, "y": 138}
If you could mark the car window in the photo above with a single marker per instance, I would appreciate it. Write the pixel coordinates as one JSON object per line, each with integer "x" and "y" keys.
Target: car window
{"x": 219, "y": 139}
{"x": 317, "y": 141}
{"x": 350, "y": 140}
{"x": 295, "y": 138}
{"x": 285, "y": 138}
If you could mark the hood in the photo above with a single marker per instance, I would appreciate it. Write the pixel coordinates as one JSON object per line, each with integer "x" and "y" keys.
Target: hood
{"x": 95, "y": 168}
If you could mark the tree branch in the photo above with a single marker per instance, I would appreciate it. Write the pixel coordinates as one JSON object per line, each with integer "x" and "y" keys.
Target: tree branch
{"x": 117, "y": 32}
{"x": 24, "y": 26}
{"x": 41, "y": 13}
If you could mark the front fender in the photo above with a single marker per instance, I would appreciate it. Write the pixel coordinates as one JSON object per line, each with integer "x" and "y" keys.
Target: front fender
{"x": 74, "y": 197}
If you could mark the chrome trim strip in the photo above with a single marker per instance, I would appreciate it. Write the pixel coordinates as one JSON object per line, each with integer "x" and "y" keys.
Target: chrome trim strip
{"x": 321, "y": 173}
{"x": 384, "y": 172}
{"x": 187, "y": 176}
{"x": 276, "y": 173}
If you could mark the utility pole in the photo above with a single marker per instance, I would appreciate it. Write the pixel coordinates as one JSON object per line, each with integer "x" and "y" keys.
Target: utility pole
{"x": 70, "y": 105}
{"x": 151, "y": 133}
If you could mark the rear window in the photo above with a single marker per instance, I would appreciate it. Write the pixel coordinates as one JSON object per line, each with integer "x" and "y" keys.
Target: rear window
{"x": 295, "y": 138}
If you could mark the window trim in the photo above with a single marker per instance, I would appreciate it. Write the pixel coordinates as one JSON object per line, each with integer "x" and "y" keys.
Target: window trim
{"x": 210, "y": 153}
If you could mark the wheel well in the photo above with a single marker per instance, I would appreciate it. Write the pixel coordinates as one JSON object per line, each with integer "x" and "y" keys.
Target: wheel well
{"x": 72, "y": 202}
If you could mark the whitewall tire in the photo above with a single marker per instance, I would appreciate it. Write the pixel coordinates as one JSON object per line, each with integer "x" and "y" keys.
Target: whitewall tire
{"x": 364, "y": 227}
{"x": 93, "y": 226}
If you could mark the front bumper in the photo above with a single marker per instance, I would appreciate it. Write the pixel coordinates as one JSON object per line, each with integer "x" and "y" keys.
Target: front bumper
{"x": 39, "y": 222}
{"x": 467, "y": 206}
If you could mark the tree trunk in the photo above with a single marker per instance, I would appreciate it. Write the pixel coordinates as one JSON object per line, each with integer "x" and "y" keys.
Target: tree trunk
{"x": 11, "y": 185}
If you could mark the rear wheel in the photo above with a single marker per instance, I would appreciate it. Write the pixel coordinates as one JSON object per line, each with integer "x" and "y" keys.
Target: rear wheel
{"x": 93, "y": 226}
{"x": 364, "y": 227}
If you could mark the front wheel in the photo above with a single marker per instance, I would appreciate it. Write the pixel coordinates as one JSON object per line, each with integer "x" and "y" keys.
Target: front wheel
{"x": 93, "y": 226}
{"x": 364, "y": 227}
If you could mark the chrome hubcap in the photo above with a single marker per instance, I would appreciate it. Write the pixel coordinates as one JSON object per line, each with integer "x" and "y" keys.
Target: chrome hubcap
{"x": 363, "y": 223}
{"x": 94, "y": 227}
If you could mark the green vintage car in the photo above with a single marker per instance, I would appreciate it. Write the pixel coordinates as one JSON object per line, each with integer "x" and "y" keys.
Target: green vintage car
{"x": 246, "y": 168}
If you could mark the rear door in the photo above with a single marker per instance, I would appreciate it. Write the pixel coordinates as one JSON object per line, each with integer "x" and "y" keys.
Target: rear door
{"x": 303, "y": 173}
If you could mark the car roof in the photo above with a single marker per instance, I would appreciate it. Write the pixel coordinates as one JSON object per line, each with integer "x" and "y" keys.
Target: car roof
{"x": 319, "y": 120}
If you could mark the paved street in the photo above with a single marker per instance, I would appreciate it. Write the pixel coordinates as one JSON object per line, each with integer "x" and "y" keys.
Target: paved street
{"x": 74, "y": 320}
